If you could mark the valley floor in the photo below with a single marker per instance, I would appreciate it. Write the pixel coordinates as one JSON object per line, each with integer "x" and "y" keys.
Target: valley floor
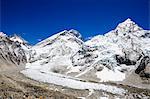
{"x": 93, "y": 90}
{"x": 14, "y": 85}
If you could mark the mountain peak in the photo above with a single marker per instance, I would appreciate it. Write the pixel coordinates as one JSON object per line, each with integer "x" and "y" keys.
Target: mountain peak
{"x": 67, "y": 33}
{"x": 17, "y": 38}
{"x": 76, "y": 33}
{"x": 128, "y": 26}
{"x": 128, "y": 21}
{"x": 2, "y": 34}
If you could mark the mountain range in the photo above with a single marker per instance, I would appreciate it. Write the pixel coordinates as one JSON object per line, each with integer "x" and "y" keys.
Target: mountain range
{"x": 121, "y": 56}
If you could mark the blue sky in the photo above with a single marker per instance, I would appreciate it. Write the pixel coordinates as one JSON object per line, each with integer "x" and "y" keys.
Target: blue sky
{"x": 39, "y": 19}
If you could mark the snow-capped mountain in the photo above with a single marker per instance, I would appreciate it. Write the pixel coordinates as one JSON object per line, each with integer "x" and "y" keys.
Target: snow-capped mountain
{"x": 53, "y": 53}
{"x": 120, "y": 50}
{"x": 110, "y": 64}
{"x": 11, "y": 51}
{"x": 106, "y": 57}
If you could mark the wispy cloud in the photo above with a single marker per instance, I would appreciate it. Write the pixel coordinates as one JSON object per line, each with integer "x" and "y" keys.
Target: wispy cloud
{"x": 39, "y": 40}
{"x": 88, "y": 38}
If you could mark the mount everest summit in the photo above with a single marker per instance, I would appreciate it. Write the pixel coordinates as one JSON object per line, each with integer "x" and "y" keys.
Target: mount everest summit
{"x": 65, "y": 59}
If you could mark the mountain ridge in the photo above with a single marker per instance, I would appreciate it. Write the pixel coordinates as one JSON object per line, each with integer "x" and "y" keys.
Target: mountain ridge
{"x": 123, "y": 45}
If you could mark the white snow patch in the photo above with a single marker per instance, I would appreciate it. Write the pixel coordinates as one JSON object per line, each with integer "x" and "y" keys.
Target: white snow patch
{"x": 2, "y": 34}
{"x": 109, "y": 75}
{"x": 103, "y": 98}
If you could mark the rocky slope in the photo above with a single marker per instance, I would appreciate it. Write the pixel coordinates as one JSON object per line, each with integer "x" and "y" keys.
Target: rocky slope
{"x": 12, "y": 51}
{"x": 14, "y": 85}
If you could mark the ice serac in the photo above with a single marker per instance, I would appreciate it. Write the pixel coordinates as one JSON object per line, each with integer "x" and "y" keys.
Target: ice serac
{"x": 11, "y": 52}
